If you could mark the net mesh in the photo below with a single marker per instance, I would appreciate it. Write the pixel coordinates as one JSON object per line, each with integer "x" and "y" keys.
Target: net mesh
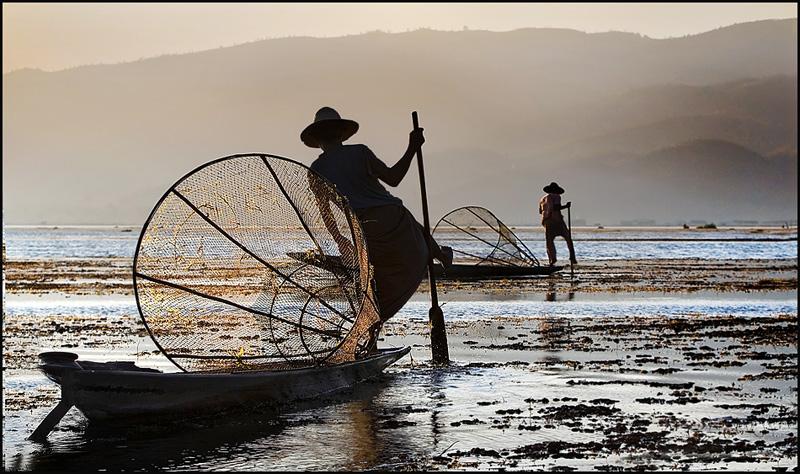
{"x": 478, "y": 237}
{"x": 227, "y": 271}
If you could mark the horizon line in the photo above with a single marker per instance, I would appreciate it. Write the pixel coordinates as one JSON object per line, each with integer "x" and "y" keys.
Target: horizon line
{"x": 465, "y": 29}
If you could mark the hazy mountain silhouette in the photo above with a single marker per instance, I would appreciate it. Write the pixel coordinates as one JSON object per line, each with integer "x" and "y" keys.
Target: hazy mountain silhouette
{"x": 710, "y": 177}
{"x": 505, "y": 113}
{"x": 758, "y": 113}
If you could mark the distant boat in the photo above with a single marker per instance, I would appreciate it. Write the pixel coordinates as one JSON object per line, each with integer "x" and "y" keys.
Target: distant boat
{"x": 484, "y": 247}
{"x": 468, "y": 271}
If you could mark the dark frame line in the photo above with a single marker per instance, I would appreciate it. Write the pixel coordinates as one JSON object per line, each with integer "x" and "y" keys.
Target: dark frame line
{"x": 482, "y": 240}
{"x": 351, "y": 221}
{"x": 305, "y": 226}
{"x": 235, "y": 305}
{"x": 527, "y": 252}
{"x": 502, "y": 263}
{"x": 499, "y": 234}
{"x": 230, "y": 357}
{"x": 249, "y": 252}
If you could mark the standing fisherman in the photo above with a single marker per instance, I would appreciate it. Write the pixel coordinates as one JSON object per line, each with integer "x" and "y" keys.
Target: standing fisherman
{"x": 395, "y": 240}
{"x": 550, "y": 208}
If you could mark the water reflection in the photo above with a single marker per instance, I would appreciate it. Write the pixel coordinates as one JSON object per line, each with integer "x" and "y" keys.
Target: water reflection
{"x": 151, "y": 447}
{"x": 552, "y": 290}
{"x": 554, "y": 331}
{"x": 437, "y": 396}
{"x": 325, "y": 434}
{"x": 362, "y": 416}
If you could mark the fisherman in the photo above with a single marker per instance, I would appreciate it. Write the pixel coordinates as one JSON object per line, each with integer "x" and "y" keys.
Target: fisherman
{"x": 396, "y": 242}
{"x": 550, "y": 208}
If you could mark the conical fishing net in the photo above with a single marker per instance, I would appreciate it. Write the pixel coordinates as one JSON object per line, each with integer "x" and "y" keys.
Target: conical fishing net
{"x": 255, "y": 262}
{"x": 478, "y": 237}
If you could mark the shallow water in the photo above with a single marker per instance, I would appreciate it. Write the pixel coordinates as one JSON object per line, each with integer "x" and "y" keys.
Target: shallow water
{"x": 511, "y": 350}
{"x": 621, "y": 307}
{"x": 489, "y": 406}
{"x": 25, "y": 243}
{"x": 478, "y": 307}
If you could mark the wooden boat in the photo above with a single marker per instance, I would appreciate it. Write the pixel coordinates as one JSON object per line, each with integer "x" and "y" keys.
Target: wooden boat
{"x": 305, "y": 335}
{"x": 484, "y": 247}
{"x": 121, "y": 391}
{"x": 466, "y": 271}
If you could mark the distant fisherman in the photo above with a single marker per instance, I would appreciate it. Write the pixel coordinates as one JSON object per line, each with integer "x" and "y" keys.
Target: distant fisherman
{"x": 550, "y": 208}
{"x": 395, "y": 240}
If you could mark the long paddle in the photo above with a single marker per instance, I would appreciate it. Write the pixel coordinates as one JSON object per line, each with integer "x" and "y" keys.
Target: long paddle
{"x": 439, "y": 353}
{"x": 569, "y": 224}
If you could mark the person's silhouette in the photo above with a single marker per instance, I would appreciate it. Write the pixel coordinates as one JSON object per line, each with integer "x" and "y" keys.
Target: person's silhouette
{"x": 398, "y": 249}
{"x": 553, "y": 221}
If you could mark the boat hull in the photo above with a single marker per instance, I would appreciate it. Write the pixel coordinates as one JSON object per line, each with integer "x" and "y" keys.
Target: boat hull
{"x": 106, "y": 392}
{"x": 460, "y": 271}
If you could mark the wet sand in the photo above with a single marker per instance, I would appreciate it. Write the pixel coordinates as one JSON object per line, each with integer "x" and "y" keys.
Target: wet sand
{"x": 524, "y": 392}
{"x": 113, "y": 276}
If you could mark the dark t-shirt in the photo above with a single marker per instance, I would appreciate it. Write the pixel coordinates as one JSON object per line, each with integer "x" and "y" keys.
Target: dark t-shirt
{"x": 350, "y": 168}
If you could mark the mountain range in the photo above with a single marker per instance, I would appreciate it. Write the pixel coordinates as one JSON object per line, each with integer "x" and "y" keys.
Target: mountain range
{"x": 698, "y": 127}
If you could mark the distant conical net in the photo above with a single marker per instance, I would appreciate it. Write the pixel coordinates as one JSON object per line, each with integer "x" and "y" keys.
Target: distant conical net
{"x": 255, "y": 262}
{"x": 478, "y": 237}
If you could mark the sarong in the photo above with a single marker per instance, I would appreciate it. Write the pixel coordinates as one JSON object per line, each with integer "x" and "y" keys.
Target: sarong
{"x": 397, "y": 251}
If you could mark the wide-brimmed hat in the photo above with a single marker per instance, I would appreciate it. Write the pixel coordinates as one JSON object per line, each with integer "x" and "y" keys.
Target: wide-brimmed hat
{"x": 328, "y": 121}
{"x": 553, "y": 188}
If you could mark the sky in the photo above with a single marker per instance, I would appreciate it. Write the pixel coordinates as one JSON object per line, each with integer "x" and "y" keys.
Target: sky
{"x": 58, "y": 36}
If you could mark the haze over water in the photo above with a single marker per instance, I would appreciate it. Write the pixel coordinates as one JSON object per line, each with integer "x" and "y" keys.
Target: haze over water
{"x": 91, "y": 242}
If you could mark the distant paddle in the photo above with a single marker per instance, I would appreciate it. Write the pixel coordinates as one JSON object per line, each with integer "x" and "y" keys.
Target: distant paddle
{"x": 569, "y": 224}
{"x": 439, "y": 353}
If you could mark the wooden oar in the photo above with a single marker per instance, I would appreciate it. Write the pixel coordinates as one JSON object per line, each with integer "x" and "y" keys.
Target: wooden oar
{"x": 439, "y": 354}
{"x": 50, "y": 421}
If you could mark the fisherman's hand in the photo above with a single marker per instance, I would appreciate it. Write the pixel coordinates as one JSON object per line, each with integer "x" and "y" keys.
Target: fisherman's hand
{"x": 569, "y": 204}
{"x": 416, "y": 139}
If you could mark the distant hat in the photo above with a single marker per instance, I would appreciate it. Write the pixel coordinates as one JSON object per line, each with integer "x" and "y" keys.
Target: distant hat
{"x": 553, "y": 188}
{"x": 328, "y": 120}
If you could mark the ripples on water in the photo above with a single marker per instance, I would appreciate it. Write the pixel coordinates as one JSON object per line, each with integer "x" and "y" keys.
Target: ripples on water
{"x": 623, "y": 308}
{"x": 95, "y": 242}
{"x": 355, "y": 433}
{"x": 476, "y": 309}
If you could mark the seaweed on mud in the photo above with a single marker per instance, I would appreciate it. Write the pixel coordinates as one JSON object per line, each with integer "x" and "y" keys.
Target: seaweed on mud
{"x": 564, "y": 412}
{"x": 558, "y": 449}
{"x": 112, "y": 276}
{"x": 603, "y": 401}
{"x": 392, "y": 424}
{"x": 697, "y": 435}
{"x": 468, "y": 421}
{"x": 477, "y": 452}
{"x": 672, "y": 385}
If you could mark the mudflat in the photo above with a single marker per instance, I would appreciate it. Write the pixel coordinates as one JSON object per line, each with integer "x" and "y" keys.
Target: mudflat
{"x": 659, "y": 364}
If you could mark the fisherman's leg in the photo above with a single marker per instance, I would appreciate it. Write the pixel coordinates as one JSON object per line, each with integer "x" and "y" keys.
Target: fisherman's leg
{"x": 571, "y": 251}
{"x": 443, "y": 254}
{"x": 550, "y": 237}
{"x": 398, "y": 253}
{"x": 568, "y": 237}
